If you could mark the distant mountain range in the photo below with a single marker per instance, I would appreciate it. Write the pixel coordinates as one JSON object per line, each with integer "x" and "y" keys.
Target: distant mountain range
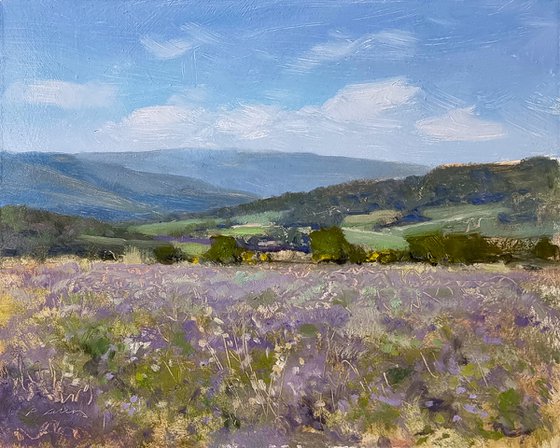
{"x": 159, "y": 184}
{"x": 66, "y": 184}
{"x": 263, "y": 174}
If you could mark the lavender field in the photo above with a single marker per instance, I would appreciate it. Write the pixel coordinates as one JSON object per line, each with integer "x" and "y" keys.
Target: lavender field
{"x": 121, "y": 355}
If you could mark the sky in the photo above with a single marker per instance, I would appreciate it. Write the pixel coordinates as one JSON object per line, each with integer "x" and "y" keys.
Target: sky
{"x": 431, "y": 82}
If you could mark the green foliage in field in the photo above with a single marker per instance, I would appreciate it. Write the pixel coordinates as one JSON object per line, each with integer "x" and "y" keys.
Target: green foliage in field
{"x": 41, "y": 234}
{"x": 193, "y": 249}
{"x": 330, "y": 244}
{"x": 168, "y": 254}
{"x": 546, "y": 250}
{"x": 224, "y": 250}
{"x": 437, "y": 248}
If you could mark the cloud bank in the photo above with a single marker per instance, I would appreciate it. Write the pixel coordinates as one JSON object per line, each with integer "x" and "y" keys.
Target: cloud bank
{"x": 357, "y": 114}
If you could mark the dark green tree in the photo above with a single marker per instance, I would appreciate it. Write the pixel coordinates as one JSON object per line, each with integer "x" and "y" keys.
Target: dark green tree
{"x": 546, "y": 250}
{"x": 330, "y": 244}
{"x": 224, "y": 250}
{"x": 168, "y": 254}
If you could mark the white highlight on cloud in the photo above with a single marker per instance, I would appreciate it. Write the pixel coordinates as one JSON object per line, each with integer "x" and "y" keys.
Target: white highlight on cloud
{"x": 166, "y": 49}
{"x": 362, "y": 102}
{"x": 249, "y": 122}
{"x": 460, "y": 125}
{"x": 66, "y": 95}
{"x": 393, "y": 44}
{"x": 194, "y": 35}
{"x": 153, "y": 127}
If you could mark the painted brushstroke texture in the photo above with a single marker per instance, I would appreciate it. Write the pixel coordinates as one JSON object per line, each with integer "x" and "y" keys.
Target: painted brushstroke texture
{"x": 425, "y": 82}
{"x": 260, "y": 356}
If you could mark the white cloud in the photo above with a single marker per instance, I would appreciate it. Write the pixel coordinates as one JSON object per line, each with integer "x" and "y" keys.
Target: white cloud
{"x": 148, "y": 120}
{"x": 356, "y": 112}
{"x": 364, "y": 102}
{"x": 66, "y": 95}
{"x": 460, "y": 125}
{"x": 377, "y": 119}
{"x": 155, "y": 127}
{"x": 249, "y": 122}
{"x": 394, "y": 44}
{"x": 194, "y": 35}
{"x": 201, "y": 35}
{"x": 166, "y": 49}
{"x": 191, "y": 95}
{"x": 352, "y": 107}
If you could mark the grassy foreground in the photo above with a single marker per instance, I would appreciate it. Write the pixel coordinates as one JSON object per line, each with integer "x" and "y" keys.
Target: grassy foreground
{"x": 118, "y": 355}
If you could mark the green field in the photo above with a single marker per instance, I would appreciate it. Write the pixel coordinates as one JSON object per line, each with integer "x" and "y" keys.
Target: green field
{"x": 454, "y": 219}
{"x": 171, "y": 227}
{"x": 465, "y": 211}
{"x": 375, "y": 240}
{"x": 378, "y": 217}
{"x": 264, "y": 219}
{"x": 194, "y": 249}
{"x": 107, "y": 242}
{"x": 482, "y": 219}
{"x": 466, "y": 218}
{"x": 244, "y": 230}
{"x": 461, "y": 218}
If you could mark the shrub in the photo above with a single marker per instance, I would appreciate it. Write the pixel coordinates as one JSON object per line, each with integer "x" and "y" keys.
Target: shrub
{"x": 453, "y": 248}
{"x": 132, "y": 255}
{"x": 546, "y": 250}
{"x": 168, "y": 254}
{"x": 330, "y": 244}
{"x": 224, "y": 250}
{"x": 388, "y": 256}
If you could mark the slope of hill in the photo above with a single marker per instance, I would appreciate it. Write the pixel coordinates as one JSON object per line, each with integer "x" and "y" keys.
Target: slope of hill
{"x": 65, "y": 184}
{"x": 511, "y": 209}
{"x": 39, "y": 233}
{"x": 261, "y": 173}
{"x": 526, "y": 188}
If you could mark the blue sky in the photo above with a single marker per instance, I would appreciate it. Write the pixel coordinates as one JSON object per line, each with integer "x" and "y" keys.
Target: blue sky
{"x": 425, "y": 81}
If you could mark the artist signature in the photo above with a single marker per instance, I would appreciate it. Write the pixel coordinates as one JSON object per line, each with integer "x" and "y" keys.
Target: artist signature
{"x": 60, "y": 411}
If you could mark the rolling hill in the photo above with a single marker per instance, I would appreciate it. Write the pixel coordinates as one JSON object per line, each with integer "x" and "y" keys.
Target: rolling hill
{"x": 66, "y": 184}
{"x": 261, "y": 173}
{"x": 512, "y": 206}
{"x": 526, "y": 188}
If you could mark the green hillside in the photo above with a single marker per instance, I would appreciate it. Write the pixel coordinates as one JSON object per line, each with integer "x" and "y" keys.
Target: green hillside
{"x": 524, "y": 190}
